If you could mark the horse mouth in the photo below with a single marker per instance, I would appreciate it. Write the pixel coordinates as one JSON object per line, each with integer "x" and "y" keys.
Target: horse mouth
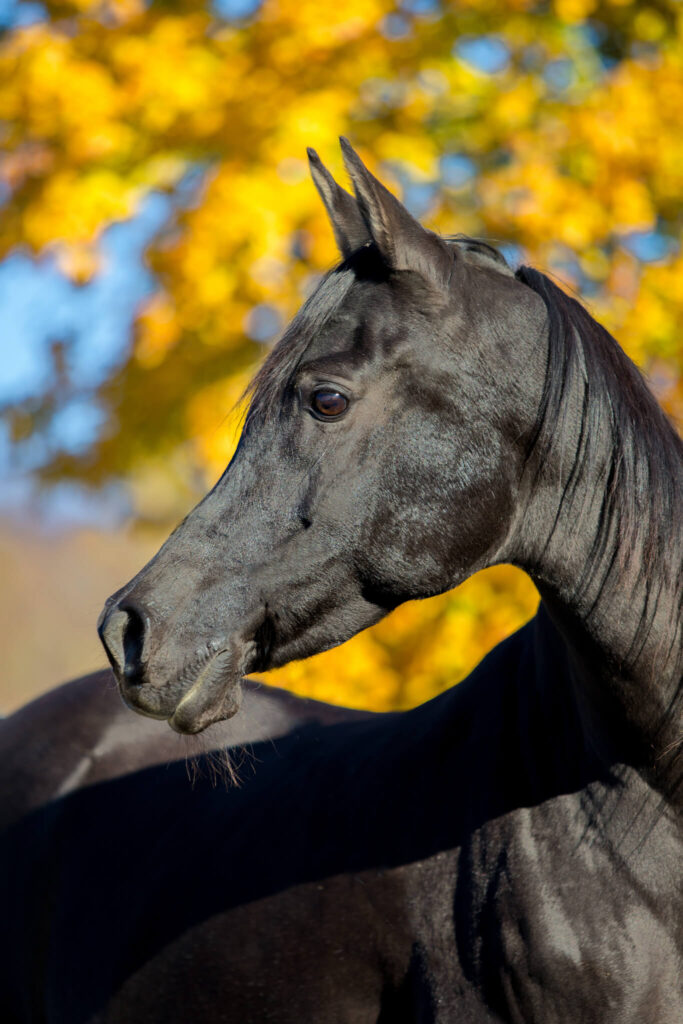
{"x": 206, "y": 690}
{"x": 215, "y": 694}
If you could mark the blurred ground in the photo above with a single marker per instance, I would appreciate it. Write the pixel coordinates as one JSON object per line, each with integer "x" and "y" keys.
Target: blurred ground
{"x": 54, "y": 587}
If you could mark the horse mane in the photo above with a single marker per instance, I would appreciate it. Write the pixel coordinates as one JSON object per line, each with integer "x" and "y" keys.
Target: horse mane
{"x": 643, "y": 479}
{"x": 477, "y": 250}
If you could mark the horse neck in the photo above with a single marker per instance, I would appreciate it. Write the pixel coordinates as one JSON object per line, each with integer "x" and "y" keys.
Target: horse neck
{"x": 598, "y": 530}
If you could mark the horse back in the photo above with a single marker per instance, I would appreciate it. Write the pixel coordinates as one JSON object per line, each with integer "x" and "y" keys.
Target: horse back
{"x": 81, "y": 733}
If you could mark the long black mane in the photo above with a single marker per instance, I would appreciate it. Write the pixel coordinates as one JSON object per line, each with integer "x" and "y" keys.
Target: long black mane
{"x": 643, "y": 475}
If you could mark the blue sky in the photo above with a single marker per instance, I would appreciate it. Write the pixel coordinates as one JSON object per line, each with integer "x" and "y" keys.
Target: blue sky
{"x": 40, "y": 306}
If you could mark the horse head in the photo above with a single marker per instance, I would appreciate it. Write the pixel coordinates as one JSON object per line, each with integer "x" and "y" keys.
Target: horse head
{"x": 380, "y": 461}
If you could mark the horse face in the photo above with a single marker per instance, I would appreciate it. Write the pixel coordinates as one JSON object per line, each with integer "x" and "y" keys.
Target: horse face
{"x": 379, "y": 462}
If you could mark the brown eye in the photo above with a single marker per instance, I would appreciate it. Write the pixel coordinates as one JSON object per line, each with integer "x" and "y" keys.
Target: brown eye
{"x": 329, "y": 403}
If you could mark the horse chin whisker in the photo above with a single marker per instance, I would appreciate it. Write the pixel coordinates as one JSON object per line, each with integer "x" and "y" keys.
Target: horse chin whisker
{"x": 220, "y": 765}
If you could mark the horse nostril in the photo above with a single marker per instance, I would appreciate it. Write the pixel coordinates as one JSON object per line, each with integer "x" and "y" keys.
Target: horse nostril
{"x": 133, "y": 642}
{"x": 122, "y": 633}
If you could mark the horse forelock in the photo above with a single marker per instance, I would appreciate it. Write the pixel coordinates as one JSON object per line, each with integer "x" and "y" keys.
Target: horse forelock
{"x": 270, "y": 381}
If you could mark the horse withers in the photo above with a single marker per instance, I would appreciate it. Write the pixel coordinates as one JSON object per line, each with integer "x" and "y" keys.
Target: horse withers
{"x": 510, "y": 851}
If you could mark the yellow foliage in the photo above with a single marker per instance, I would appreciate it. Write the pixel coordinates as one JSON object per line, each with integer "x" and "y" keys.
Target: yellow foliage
{"x": 158, "y": 330}
{"x": 215, "y": 416}
{"x": 574, "y": 11}
{"x": 102, "y": 197}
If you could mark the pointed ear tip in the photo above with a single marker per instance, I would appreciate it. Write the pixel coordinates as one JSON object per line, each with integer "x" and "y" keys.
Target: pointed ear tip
{"x": 352, "y": 161}
{"x": 312, "y": 155}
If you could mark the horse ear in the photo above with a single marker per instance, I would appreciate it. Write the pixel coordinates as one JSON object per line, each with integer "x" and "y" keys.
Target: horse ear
{"x": 350, "y": 230}
{"x": 402, "y": 241}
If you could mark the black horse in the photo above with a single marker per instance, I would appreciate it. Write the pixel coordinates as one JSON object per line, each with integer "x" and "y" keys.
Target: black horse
{"x": 510, "y": 851}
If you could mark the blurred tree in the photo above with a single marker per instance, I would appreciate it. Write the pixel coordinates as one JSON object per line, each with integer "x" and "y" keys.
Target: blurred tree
{"x": 551, "y": 127}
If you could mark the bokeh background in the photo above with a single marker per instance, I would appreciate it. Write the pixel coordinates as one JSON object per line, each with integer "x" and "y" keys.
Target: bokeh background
{"x": 158, "y": 228}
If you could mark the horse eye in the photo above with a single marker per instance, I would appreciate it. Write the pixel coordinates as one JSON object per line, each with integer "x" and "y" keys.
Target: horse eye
{"x": 329, "y": 403}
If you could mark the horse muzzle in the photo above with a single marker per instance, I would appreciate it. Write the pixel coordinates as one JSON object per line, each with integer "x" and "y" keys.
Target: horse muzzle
{"x": 194, "y": 695}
